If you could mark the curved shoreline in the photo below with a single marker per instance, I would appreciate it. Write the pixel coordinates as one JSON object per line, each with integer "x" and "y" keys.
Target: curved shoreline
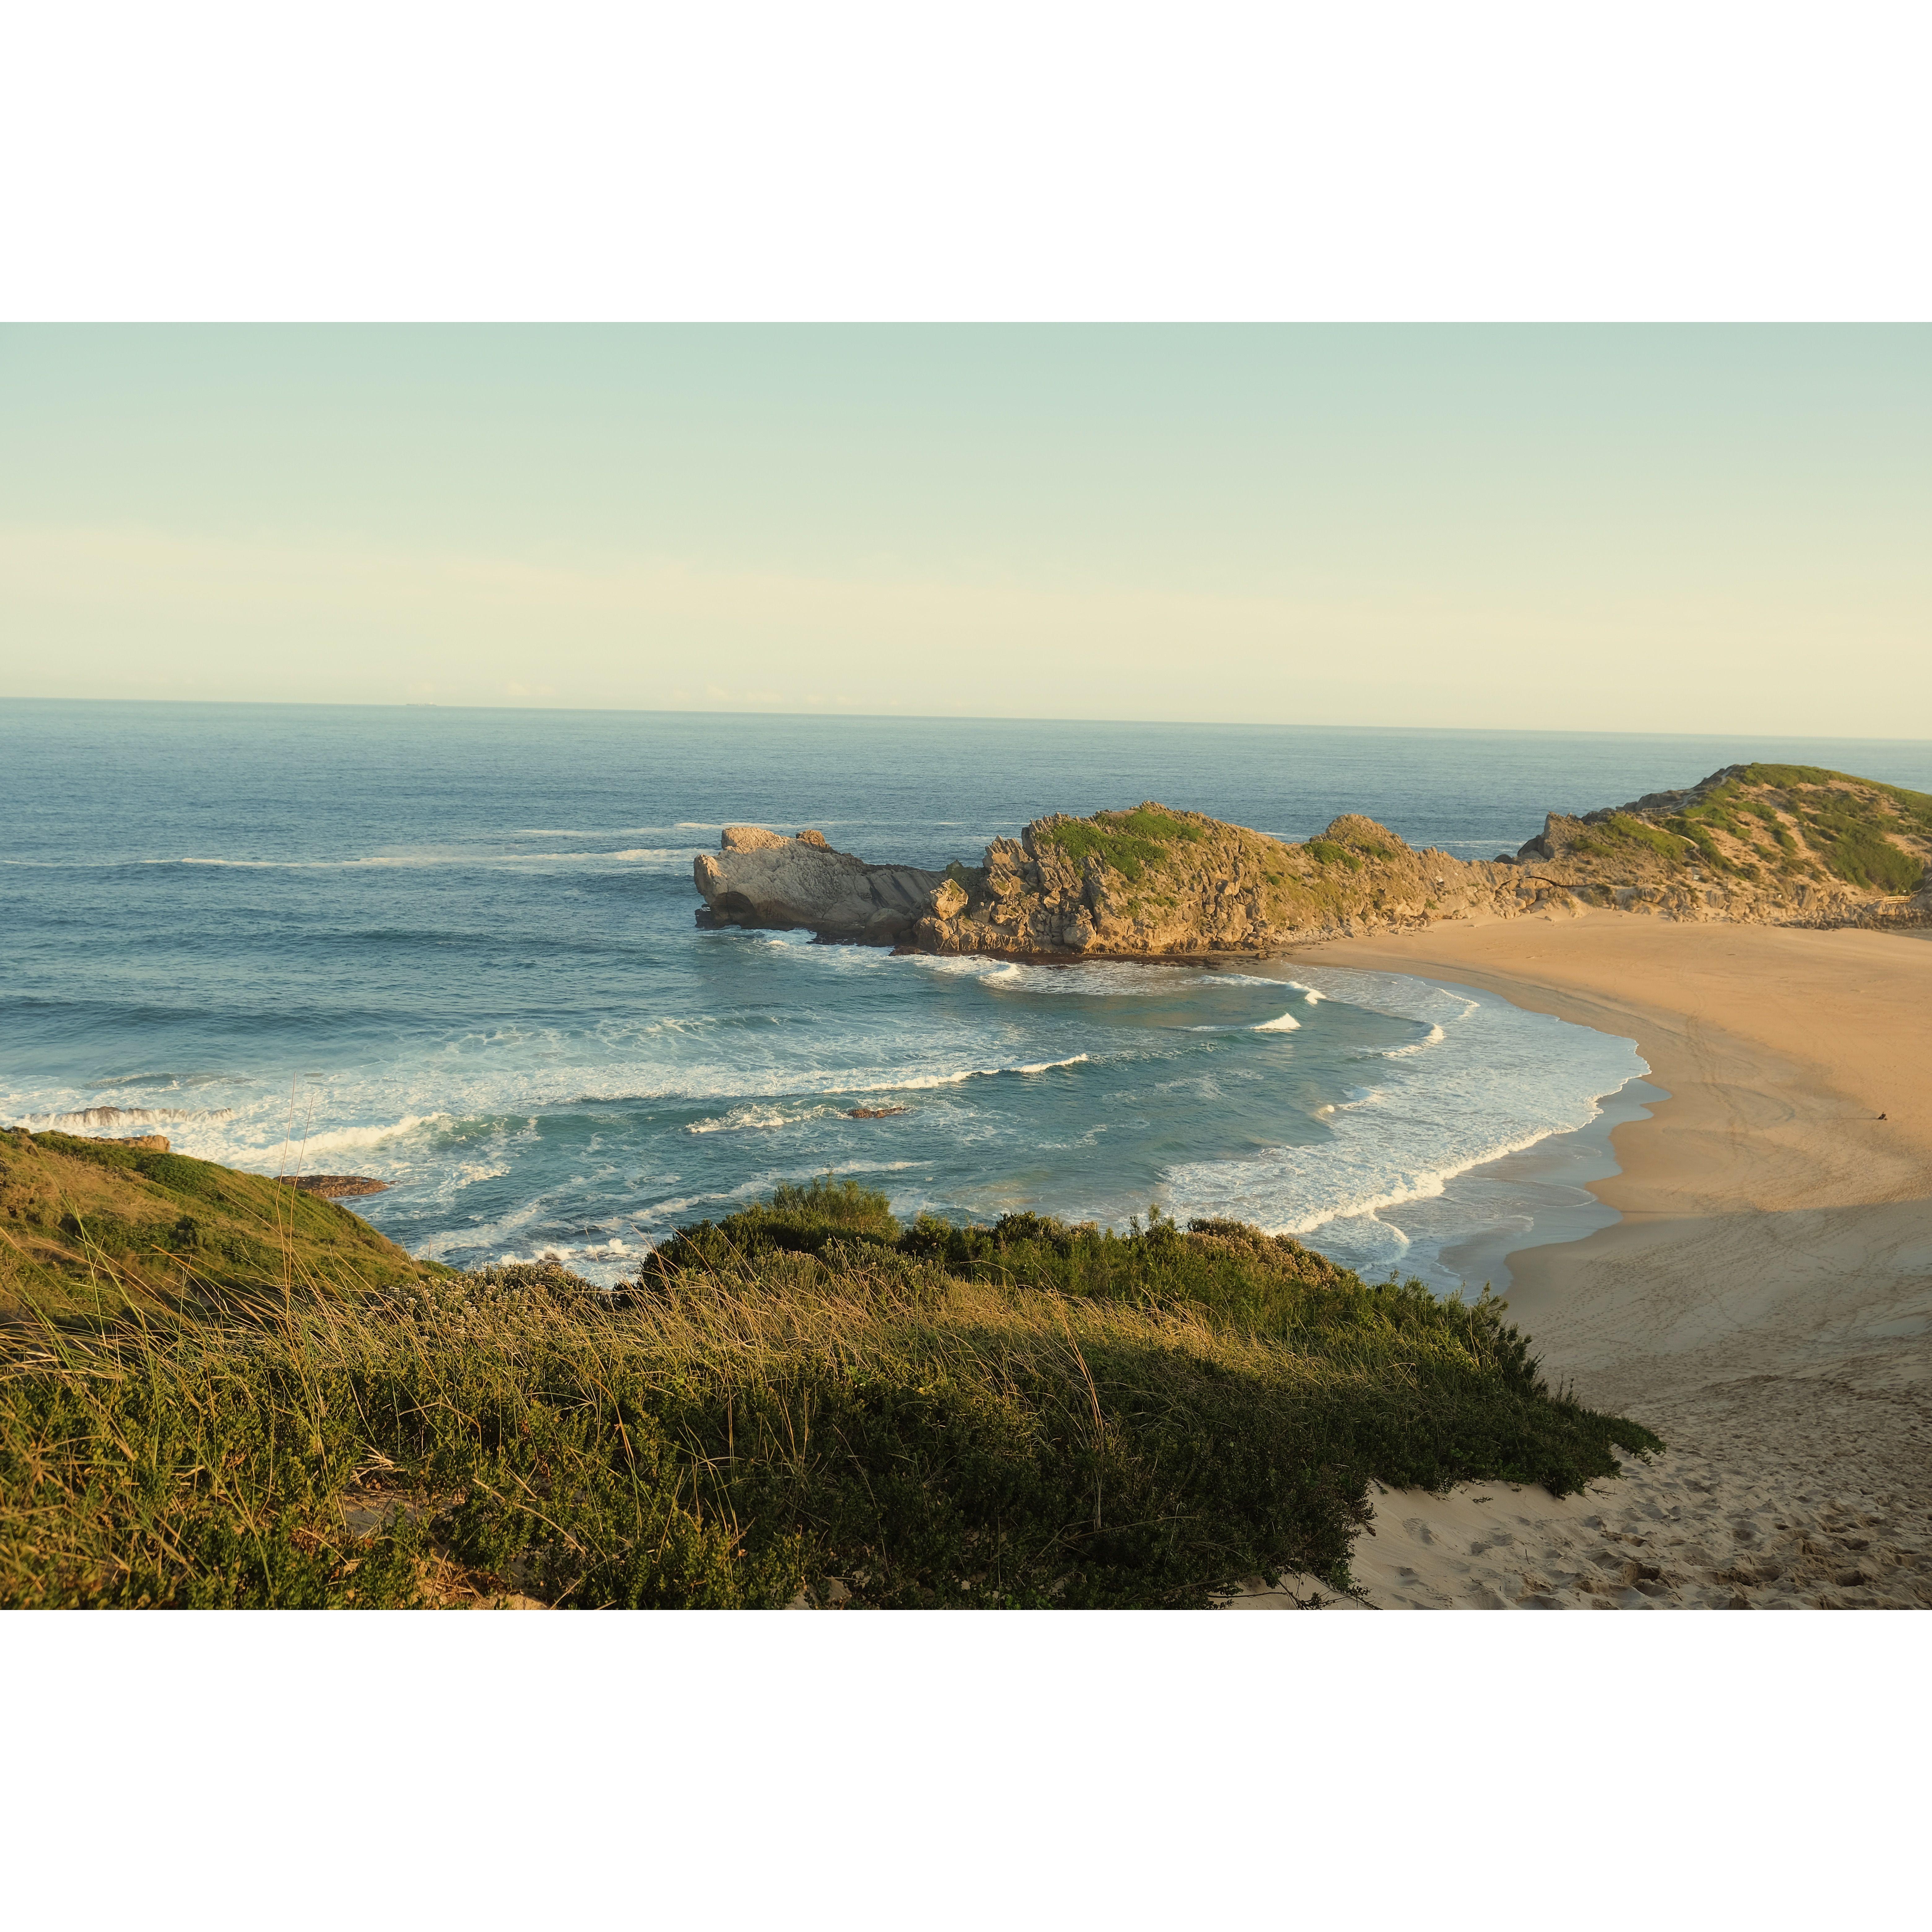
{"x": 1577, "y": 1162}
{"x": 1449, "y": 1196}
{"x": 1764, "y": 1301}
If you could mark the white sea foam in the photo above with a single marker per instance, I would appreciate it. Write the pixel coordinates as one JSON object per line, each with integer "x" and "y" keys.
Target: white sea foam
{"x": 342, "y": 1140}
{"x": 418, "y": 1123}
{"x": 916, "y": 1082}
{"x": 1434, "y": 1037}
{"x": 1282, "y": 1023}
{"x": 755, "y": 1116}
{"x": 1098, "y": 979}
{"x": 1487, "y": 1080}
{"x": 116, "y": 1117}
{"x": 487, "y": 1237}
{"x": 669, "y": 857}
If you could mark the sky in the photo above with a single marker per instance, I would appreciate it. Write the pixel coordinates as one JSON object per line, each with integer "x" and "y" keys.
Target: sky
{"x": 1702, "y": 529}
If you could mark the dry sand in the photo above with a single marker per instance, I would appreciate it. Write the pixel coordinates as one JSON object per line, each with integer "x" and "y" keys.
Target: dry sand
{"x": 1764, "y": 1304}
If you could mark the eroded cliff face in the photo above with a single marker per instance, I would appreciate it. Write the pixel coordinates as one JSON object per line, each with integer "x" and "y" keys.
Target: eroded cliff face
{"x": 1778, "y": 844}
{"x": 763, "y": 879}
{"x": 1157, "y": 883}
{"x": 1149, "y": 883}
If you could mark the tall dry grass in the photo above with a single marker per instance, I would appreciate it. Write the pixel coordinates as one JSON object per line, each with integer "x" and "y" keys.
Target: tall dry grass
{"x": 809, "y": 1402}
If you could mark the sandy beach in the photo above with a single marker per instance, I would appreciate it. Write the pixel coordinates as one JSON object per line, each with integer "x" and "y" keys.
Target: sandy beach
{"x": 1764, "y": 1304}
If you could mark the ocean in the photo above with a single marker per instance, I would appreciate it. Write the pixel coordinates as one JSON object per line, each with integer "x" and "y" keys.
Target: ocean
{"x": 454, "y": 950}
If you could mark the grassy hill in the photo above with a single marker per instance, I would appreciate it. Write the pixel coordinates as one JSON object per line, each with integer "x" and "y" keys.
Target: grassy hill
{"x": 1781, "y": 844}
{"x": 1777, "y": 828}
{"x": 806, "y": 1399}
{"x": 94, "y": 1228}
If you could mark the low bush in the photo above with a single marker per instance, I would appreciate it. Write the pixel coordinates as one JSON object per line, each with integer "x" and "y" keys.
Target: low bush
{"x": 803, "y": 1401}
{"x": 1327, "y": 852}
{"x": 1128, "y": 841}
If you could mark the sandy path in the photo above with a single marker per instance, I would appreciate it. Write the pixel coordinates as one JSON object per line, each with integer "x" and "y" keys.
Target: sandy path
{"x": 1764, "y": 1304}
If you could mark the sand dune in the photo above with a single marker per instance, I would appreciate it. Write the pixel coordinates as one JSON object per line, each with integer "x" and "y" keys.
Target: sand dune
{"x": 1764, "y": 1304}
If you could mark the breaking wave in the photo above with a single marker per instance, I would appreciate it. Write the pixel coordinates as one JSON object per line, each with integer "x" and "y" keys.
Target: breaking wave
{"x": 917, "y": 1082}
{"x": 130, "y": 1117}
{"x": 1486, "y": 1081}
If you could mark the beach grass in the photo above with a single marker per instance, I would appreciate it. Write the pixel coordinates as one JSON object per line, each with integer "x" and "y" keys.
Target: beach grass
{"x": 805, "y": 1402}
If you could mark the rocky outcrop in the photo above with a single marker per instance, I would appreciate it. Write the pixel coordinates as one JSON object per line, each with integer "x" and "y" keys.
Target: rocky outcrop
{"x": 1784, "y": 845}
{"x": 335, "y": 1186}
{"x": 1770, "y": 845}
{"x": 1151, "y": 883}
{"x": 1159, "y": 883}
{"x": 762, "y": 879}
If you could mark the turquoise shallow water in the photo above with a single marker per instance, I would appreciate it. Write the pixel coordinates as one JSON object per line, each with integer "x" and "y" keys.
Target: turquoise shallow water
{"x": 454, "y": 949}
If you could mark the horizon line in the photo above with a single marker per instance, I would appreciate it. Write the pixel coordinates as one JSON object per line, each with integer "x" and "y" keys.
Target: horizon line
{"x": 949, "y": 717}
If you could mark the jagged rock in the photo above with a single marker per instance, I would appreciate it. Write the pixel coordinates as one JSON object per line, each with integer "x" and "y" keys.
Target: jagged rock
{"x": 763, "y": 879}
{"x": 1782, "y": 844}
{"x": 335, "y": 1186}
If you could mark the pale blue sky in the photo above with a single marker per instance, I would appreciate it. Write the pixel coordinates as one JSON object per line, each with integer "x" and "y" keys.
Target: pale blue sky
{"x": 1702, "y": 529}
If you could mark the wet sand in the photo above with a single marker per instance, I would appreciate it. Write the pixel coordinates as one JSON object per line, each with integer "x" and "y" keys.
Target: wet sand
{"x": 1765, "y": 1303}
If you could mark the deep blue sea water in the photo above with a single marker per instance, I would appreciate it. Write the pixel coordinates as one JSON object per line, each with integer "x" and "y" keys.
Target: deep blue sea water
{"x": 454, "y": 949}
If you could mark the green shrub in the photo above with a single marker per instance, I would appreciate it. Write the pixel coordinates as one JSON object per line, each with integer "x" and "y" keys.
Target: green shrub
{"x": 1030, "y": 1414}
{"x": 1128, "y": 841}
{"x": 1663, "y": 843}
{"x": 1327, "y": 852}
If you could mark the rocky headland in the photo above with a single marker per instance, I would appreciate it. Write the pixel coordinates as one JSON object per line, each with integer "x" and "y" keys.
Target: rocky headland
{"x": 1778, "y": 844}
{"x": 763, "y": 879}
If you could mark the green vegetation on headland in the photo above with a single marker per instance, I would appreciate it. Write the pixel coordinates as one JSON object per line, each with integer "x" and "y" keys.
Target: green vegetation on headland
{"x": 1130, "y": 842}
{"x": 1777, "y": 845}
{"x": 1765, "y": 821}
{"x": 1853, "y": 824}
{"x": 804, "y": 1400}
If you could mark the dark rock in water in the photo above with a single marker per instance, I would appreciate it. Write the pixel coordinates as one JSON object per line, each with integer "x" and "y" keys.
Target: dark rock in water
{"x": 333, "y": 1186}
{"x": 872, "y": 1113}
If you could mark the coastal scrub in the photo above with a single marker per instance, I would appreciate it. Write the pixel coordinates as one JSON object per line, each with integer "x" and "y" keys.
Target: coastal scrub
{"x": 805, "y": 1403}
